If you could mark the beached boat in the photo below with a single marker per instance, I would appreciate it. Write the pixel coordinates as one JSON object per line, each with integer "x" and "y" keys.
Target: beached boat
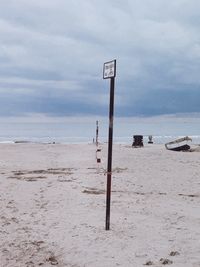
{"x": 180, "y": 144}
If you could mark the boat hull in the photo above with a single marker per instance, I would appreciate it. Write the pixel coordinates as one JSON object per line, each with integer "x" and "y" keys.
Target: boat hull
{"x": 180, "y": 148}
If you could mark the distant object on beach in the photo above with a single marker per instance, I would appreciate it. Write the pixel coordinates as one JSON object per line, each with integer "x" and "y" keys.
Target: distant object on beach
{"x": 22, "y": 142}
{"x": 98, "y": 157}
{"x": 179, "y": 144}
{"x": 150, "y": 139}
{"x": 138, "y": 141}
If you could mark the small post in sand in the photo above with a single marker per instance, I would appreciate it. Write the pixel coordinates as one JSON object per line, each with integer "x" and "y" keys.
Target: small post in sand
{"x": 97, "y": 133}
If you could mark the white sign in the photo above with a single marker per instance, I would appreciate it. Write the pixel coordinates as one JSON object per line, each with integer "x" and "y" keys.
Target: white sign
{"x": 109, "y": 69}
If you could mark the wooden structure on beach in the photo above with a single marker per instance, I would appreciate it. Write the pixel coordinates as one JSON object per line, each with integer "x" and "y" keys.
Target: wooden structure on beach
{"x": 138, "y": 141}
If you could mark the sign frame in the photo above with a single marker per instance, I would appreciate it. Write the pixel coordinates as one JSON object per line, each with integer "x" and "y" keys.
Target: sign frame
{"x": 109, "y": 69}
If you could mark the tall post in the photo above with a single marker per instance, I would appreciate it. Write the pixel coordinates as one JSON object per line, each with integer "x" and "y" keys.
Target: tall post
{"x": 110, "y": 144}
{"x": 109, "y": 72}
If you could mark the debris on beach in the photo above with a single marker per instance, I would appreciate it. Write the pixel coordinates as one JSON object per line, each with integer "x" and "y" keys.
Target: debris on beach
{"x": 166, "y": 261}
{"x": 150, "y": 137}
{"x": 94, "y": 191}
{"x": 148, "y": 263}
{"x": 179, "y": 144}
{"x": 52, "y": 260}
{"x": 174, "y": 253}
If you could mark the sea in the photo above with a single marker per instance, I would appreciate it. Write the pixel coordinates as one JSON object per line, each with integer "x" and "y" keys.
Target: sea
{"x": 78, "y": 130}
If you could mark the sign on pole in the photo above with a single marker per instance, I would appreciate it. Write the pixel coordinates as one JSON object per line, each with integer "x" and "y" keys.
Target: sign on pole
{"x": 109, "y": 71}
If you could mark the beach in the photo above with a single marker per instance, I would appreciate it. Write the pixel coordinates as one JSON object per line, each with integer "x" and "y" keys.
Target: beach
{"x": 53, "y": 206}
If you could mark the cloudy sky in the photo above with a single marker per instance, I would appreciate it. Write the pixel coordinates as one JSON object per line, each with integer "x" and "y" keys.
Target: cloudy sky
{"x": 52, "y": 54}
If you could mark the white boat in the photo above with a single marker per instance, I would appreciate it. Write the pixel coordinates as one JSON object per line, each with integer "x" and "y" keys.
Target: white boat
{"x": 180, "y": 144}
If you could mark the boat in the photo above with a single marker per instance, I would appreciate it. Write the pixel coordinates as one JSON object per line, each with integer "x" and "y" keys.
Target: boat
{"x": 180, "y": 144}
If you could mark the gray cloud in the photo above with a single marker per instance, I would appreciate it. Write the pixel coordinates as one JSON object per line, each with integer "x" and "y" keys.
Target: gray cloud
{"x": 52, "y": 52}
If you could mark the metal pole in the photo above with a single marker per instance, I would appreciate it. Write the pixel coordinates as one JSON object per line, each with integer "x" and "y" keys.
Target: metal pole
{"x": 110, "y": 143}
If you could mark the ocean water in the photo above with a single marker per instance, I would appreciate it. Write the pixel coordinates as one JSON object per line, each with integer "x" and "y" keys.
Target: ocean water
{"x": 83, "y": 130}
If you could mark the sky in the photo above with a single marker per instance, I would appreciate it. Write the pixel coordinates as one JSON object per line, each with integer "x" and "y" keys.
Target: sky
{"x": 52, "y": 54}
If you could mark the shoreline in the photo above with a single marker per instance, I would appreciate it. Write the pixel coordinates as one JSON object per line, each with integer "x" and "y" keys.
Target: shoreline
{"x": 157, "y": 139}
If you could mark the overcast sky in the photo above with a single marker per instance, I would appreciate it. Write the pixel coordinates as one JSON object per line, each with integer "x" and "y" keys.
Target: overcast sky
{"x": 52, "y": 54}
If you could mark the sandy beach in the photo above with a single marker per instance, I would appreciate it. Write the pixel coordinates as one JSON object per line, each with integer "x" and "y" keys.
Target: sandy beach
{"x": 53, "y": 206}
